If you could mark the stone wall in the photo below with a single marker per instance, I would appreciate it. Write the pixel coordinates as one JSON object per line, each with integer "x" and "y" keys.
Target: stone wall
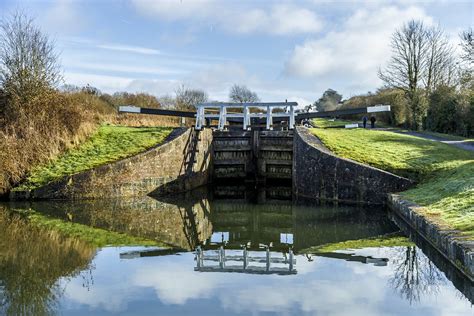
{"x": 320, "y": 174}
{"x": 455, "y": 247}
{"x": 181, "y": 221}
{"x": 179, "y": 164}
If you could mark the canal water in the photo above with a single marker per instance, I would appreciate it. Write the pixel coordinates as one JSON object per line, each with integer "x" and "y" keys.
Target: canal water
{"x": 234, "y": 252}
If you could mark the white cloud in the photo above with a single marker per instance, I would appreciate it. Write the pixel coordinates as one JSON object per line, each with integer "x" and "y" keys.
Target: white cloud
{"x": 155, "y": 87}
{"x": 354, "y": 52}
{"x": 131, "y": 69}
{"x": 63, "y": 15}
{"x": 279, "y": 19}
{"x": 131, "y": 49}
{"x": 218, "y": 78}
{"x": 103, "y": 82}
{"x": 175, "y": 9}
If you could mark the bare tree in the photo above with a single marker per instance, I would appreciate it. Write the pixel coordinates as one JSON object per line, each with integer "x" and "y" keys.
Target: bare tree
{"x": 414, "y": 275}
{"x": 467, "y": 45}
{"x": 186, "y": 98}
{"x": 466, "y": 69}
{"x": 242, "y": 94}
{"x": 28, "y": 61}
{"x": 439, "y": 66}
{"x": 408, "y": 45}
{"x": 422, "y": 60}
{"x": 167, "y": 101}
{"x": 406, "y": 66}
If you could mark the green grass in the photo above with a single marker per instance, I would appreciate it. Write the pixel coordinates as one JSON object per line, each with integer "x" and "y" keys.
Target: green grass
{"x": 94, "y": 236}
{"x": 108, "y": 144}
{"x": 445, "y": 174}
{"x": 375, "y": 242}
{"x": 325, "y": 123}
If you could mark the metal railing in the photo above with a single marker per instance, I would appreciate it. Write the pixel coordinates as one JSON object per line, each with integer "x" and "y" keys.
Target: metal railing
{"x": 223, "y": 116}
{"x": 222, "y": 259}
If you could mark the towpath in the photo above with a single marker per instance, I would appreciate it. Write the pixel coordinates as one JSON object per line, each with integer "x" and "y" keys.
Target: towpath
{"x": 467, "y": 144}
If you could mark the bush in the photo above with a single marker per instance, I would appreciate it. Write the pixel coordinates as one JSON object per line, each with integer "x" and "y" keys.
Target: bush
{"x": 451, "y": 111}
{"x": 442, "y": 113}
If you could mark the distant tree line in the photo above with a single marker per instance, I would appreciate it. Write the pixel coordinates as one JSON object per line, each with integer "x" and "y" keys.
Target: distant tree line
{"x": 426, "y": 83}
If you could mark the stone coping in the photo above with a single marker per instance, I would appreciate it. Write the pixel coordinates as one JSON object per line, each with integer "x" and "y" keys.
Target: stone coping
{"x": 455, "y": 247}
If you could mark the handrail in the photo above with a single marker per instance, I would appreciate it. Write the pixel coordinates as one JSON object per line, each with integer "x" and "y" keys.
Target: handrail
{"x": 246, "y": 114}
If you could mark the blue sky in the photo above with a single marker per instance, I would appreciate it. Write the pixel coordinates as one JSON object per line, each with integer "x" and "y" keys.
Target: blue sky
{"x": 281, "y": 49}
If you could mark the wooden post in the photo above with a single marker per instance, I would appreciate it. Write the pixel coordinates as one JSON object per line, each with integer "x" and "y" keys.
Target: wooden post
{"x": 199, "y": 257}
{"x": 222, "y": 117}
{"x": 246, "y": 117}
{"x": 245, "y": 257}
{"x": 199, "y": 117}
{"x": 269, "y": 118}
{"x": 268, "y": 258}
{"x": 221, "y": 257}
{"x": 292, "y": 118}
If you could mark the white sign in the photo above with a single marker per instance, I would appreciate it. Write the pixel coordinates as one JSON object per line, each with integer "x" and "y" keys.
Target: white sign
{"x": 129, "y": 109}
{"x": 378, "y": 108}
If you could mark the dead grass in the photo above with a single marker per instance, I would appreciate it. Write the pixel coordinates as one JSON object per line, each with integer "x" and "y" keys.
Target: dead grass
{"x": 51, "y": 123}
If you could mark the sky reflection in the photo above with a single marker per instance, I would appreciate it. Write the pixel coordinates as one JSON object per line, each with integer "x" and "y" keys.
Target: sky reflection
{"x": 169, "y": 285}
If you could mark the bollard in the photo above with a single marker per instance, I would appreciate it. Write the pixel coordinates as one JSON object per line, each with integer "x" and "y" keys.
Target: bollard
{"x": 245, "y": 257}
{"x": 268, "y": 258}
{"x": 221, "y": 257}
{"x": 291, "y": 260}
{"x": 199, "y": 257}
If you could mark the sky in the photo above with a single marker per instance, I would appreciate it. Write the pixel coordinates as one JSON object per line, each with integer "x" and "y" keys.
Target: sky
{"x": 282, "y": 50}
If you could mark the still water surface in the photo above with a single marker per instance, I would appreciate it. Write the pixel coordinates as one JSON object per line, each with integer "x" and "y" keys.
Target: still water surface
{"x": 47, "y": 274}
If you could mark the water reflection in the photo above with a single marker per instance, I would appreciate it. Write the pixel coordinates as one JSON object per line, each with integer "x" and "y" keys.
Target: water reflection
{"x": 31, "y": 263}
{"x": 422, "y": 269}
{"x": 415, "y": 275}
{"x": 141, "y": 280}
{"x": 182, "y": 222}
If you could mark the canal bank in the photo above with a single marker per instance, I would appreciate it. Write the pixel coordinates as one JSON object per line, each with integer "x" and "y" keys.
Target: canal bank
{"x": 190, "y": 158}
{"x": 452, "y": 244}
{"x": 440, "y": 206}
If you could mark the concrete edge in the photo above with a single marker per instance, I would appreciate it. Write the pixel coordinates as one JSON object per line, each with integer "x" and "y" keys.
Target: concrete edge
{"x": 449, "y": 243}
{"x": 314, "y": 141}
{"x": 27, "y": 194}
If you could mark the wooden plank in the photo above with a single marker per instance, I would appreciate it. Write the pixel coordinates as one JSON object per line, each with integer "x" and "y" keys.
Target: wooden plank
{"x": 370, "y": 109}
{"x": 138, "y": 110}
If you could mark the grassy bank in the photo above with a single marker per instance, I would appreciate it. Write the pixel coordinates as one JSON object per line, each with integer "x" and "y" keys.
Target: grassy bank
{"x": 330, "y": 123}
{"x": 325, "y": 123}
{"x": 375, "y": 242}
{"x": 36, "y": 131}
{"x": 445, "y": 174}
{"x": 107, "y": 144}
{"x": 93, "y": 236}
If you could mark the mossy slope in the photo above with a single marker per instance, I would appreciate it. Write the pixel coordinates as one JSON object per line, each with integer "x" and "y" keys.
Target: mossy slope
{"x": 445, "y": 174}
{"x": 93, "y": 236}
{"x": 108, "y": 144}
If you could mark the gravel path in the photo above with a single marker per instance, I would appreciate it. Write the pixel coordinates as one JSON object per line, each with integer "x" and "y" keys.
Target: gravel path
{"x": 467, "y": 144}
